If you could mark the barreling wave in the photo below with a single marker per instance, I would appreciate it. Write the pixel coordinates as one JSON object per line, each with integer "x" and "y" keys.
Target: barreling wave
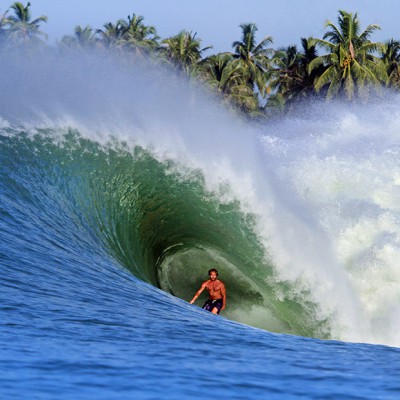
{"x": 129, "y": 162}
{"x": 156, "y": 218}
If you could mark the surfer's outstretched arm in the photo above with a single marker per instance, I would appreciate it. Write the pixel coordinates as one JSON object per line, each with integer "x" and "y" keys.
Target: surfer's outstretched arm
{"x": 198, "y": 293}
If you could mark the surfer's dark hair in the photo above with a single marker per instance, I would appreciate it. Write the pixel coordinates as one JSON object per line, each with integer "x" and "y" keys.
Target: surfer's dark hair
{"x": 212, "y": 270}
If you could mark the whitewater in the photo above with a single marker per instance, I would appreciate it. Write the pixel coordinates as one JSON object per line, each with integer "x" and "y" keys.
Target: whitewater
{"x": 122, "y": 184}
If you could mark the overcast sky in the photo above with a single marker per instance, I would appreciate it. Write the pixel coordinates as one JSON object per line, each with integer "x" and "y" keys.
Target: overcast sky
{"x": 217, "y": 21}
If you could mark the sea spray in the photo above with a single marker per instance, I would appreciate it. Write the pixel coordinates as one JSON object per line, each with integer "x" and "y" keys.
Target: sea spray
{"x": 342, "y": 163}
{"x": 249, "y": 200}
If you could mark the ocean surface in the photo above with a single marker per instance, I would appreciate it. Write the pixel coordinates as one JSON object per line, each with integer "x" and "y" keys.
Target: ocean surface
{"x": 121, "y": 185}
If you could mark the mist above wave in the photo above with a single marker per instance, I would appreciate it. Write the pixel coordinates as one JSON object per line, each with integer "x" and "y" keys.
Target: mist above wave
{"x": 323, "y": 183}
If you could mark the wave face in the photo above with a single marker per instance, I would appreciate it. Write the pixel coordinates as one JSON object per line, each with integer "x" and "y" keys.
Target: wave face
{"x": 156, "y": 218}
{"x": 128, "y": 164}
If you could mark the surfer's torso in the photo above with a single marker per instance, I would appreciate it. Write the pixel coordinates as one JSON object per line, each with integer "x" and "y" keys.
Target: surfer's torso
{"x": 214, "y": 289}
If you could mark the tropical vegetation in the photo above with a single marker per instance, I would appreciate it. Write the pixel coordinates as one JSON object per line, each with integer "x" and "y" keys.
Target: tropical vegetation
{"x": 19, "y": 27}
{"x": 352, "y": 64}
{"x": 252, "y": 78}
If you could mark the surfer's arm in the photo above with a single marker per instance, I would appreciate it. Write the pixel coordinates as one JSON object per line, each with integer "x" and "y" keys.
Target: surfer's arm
{"x": 198, "y": 293}
{"x": 223, "y": 293}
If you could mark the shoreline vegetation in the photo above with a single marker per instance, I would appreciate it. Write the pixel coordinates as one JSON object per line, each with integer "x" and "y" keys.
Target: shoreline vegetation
{"x": 254, "y": 79}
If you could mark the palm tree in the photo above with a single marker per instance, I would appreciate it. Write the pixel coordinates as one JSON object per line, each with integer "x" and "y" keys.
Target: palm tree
{"x": 83, "y": 38}
{"x": 286, "y": 74}
{"x": 291, "y": 79}
{"x": 4, "y": 22}
{"x": 351, "y": 66}
{"x": 224, "y": 75}
{"x": 22, "y": 27}
{"x": 135, "y": 34}
{"x": 307, "y": 56}
{"x": 183, "y": 50}
{"x": 112, "y": 34}
{"x": 253, "y": 56}
{"x": 391, "y": 58}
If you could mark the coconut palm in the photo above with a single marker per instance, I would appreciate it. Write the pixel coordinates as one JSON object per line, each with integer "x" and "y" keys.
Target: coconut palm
{"x": 391, "y": 58}
{"x": 224, "y": 75}
{"x": 112, "y": 34}
{"x": 135, "y": 34}
{"x": 286, "y": 73}
{"x": 21, "y": 26}
{"x": 352, "y": 67}
{"x": 3, "y": 27}
{"x": 83, "y": 38}
{"x": 253, "y": 56}
{"x": 183, "y": 50}
{"x": 291, "y": 79}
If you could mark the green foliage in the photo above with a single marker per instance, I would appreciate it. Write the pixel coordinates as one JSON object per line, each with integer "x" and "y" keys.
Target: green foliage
{"x": 83, "y": 38}
{"x": 254, "y": 79}
{"x": 224, "y": 75}
{"x": 291, "y": 81}
{"x": 253, "y": 57}
{"x": 19, "y": 27}
{"x": 183, "y": 50}
{"x": 352, "y": 68}
{"x": 390, "y": 55}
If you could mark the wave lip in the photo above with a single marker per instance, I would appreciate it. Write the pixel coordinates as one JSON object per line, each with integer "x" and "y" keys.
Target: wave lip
{"x": 302, "y": 223}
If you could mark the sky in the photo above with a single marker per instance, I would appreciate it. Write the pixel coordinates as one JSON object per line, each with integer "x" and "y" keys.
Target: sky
{"x": 217, "y": 21}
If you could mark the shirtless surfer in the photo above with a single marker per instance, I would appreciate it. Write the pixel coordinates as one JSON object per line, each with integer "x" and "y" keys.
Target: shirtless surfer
{"x": 217, "y": 293}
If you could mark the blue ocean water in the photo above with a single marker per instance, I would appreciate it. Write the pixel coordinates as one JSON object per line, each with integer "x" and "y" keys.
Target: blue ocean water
{"x": 116, "y": 196}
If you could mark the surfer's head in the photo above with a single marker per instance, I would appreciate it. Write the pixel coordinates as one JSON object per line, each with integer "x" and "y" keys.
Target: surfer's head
{"x": 213, "y": 273}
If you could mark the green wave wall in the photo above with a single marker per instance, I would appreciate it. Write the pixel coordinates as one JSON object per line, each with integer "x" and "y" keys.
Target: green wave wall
{"x": 160, "y": 222}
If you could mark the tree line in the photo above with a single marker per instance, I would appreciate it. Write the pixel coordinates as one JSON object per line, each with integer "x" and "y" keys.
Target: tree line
{"x": 252, "y": 78}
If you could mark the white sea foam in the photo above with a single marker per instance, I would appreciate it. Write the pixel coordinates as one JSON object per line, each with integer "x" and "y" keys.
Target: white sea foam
{"x": 346, "y": 175}
{"x": 325, "y": 184}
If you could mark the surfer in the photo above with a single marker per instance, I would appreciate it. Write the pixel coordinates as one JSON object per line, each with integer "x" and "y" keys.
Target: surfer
{"x": 217, "y": 293}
